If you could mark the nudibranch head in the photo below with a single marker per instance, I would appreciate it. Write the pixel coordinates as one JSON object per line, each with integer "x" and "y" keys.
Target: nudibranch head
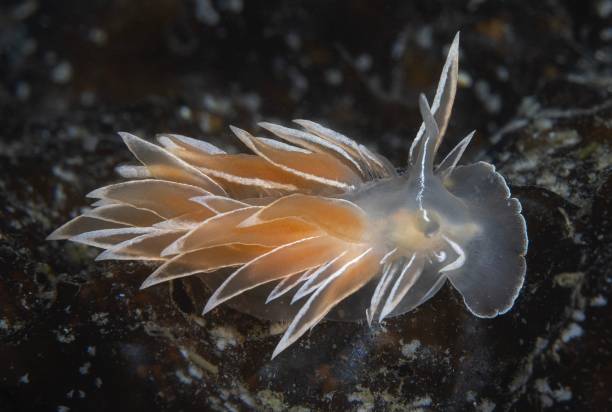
{"x": 316, "y": 225}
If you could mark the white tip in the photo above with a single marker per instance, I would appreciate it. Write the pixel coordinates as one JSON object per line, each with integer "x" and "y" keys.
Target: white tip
{"x": 172, "y": 249}
{"x": 212, "y": 303}
{"x": 55, "y": 235}
{"x": 279, "y": 348}
{"x": 128, "y": 137}
{"x": 250, "y": 221}
{"x": 269, "y": 126}
{"x": 97, "y": 193}
{"x": 150, "y": 281}
{"x": 167, "y": 142}
{"x": 106, "y": 255}
{"x": 384, "y": 312}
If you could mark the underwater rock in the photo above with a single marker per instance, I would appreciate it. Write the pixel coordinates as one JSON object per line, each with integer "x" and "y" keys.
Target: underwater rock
{"x": 79, "y": 334}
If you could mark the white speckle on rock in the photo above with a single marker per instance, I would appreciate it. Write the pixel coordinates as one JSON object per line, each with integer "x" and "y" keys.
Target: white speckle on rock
{"x": 606, "y": 34}
{"x": 563, "y": 394}
{"x": 88, "y": 98}
{"x": 525, "y": 370}
{"x": 226, "y": 336}
{"x": 25, "y": 379}
{"x": 195, "y": 371}
{"x": 251, "y": 101}
{"x": 604, "y": 8}
{"x": 598, "y": 301}
{"x": 464, "y": 79}
{"x": 184, "y": 113}
{"x": 502, "y": 73}
{"x": 235, "y": 6}
{"x": 271, "y": 400}
{"x": 543, "y": 124}
{"x": 363, "y": 62}
{"x": 398, "y": 48}
{"x": 91, "y": 350}
{"x": 564, "y": 138}
{"x": 205, "y": 122}
{"x": 571, "y": 332}
{"x": 276, "y": 328}
{"x": 84, "y": 370}
{"x": 485, "y": 405}
{"x": 98, "y": 383}
{"x": 364, "y": 397}
{"x": 230, "y": 406}
{"x": 492, "y": 102}
{"x": 216, "y": 104}
{"x": 578, "y": 315}
{"x": 183, "y": 378}
{"x": 62, "y": 408}
{"x": 410, "y": 349}
{"x": 423, "y": 401}
{"x": 299, "y": 82}
{"x": 65, "y": 175}
{"x": 424, "y": 37}
{"x": 542, "y": 386}
{"x": 100, "y": 318}
{"x": 293, "y": 40}
{"x": 202, "y": 364}
{"x": 206, "y": 13}
{"x": 97, "y": 36}
{"x": 23, "y": 91}
{"x": 549, "y": 396}
{"x": 568, "y": 279}
{"x": 333, "y": 77}
{"x": 246, "y": 397}
{"x": 62, "y": 72}
{"x": 529, "y": 106}
{"x": 64, "y": 335}
{"x": 24, "y": 10}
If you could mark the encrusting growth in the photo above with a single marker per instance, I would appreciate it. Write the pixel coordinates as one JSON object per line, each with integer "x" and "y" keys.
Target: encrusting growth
{"x": 315, "y": 225}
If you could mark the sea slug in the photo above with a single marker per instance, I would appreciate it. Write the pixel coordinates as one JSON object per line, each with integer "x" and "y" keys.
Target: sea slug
{"x": 315, "y": 225}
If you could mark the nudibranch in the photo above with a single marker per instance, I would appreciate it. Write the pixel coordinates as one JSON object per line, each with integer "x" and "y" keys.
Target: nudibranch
{"x": 315, "y": 225}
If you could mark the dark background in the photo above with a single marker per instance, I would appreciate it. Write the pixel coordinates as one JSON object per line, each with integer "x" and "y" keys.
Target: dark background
{"x": 536, "y": 82}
